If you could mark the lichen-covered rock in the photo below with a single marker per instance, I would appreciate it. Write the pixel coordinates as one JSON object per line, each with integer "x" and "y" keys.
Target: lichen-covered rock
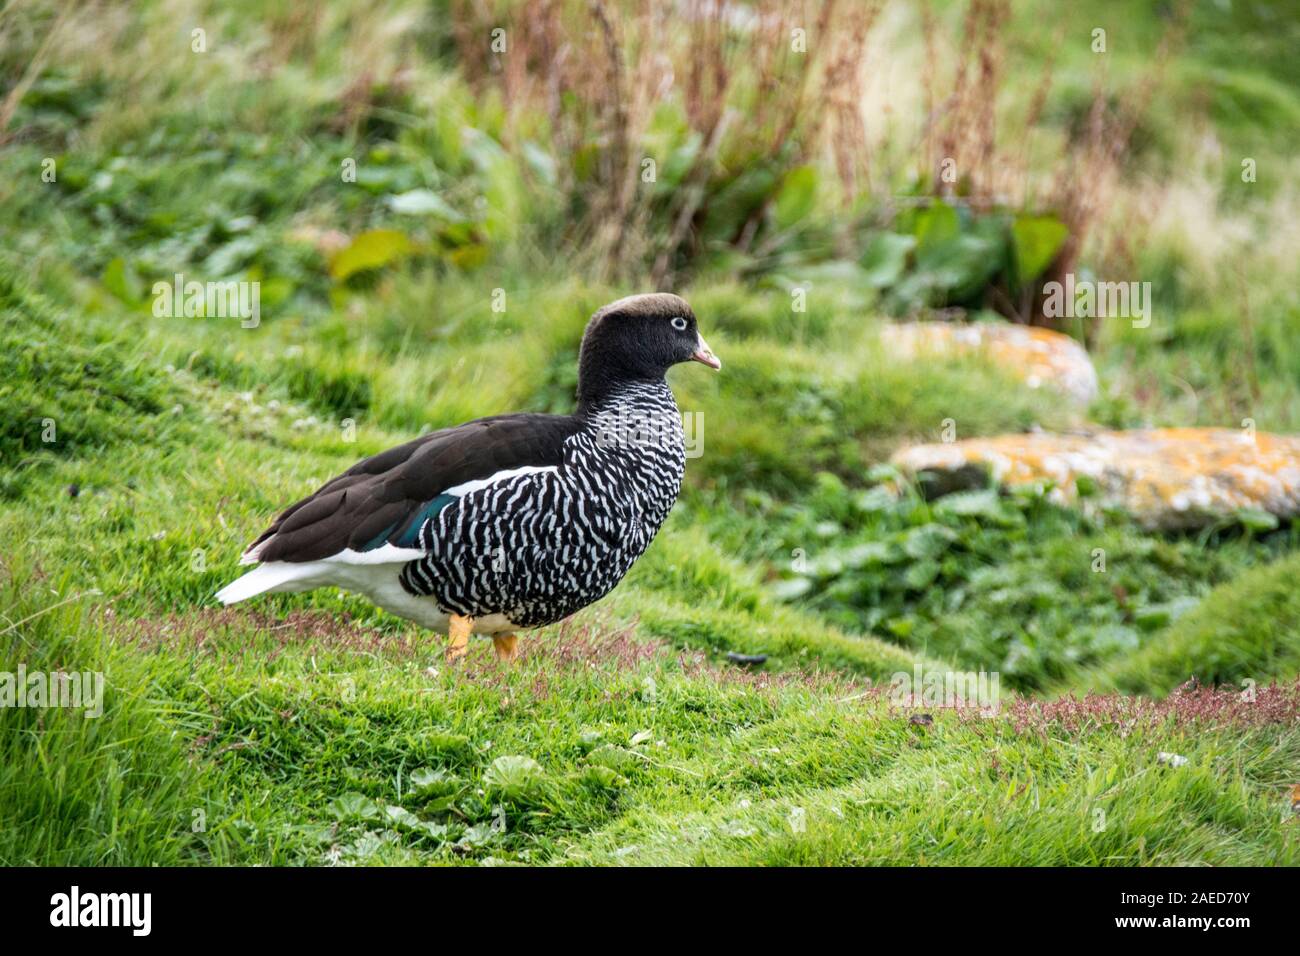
{"x": 1037, "y": 356}
{"x": 1167, "y": 478}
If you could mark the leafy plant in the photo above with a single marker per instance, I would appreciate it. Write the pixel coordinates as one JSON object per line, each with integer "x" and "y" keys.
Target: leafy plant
{"x": 996, "y": 581}
{"x": 515, "y": 778}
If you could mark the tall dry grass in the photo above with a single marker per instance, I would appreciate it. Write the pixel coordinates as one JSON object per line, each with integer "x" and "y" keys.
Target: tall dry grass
{"x": 752, "y": 99}
{"x": 1022, "y": 165}
{"x": 767, "y": 84}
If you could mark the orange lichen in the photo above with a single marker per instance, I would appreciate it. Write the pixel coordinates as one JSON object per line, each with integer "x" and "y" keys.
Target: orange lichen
{"x": 1037, "y": 356}
{"x": 1166, "y": 478}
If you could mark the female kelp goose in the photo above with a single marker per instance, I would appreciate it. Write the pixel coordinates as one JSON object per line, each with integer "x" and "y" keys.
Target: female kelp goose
{"x": 509, "y": 522}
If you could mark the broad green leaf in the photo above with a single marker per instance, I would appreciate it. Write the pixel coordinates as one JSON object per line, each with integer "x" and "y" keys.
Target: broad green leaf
{"x": 602, "y": 778}
{"x": 385, "y": 179}
{"x": 447, "y": 743}
{"x": 121, "y": 280}
{"x": 354, "y": 807}
{"x": 679, "y": 163}
{"x": 423, "y": 202}
{"x": 869, "y": 554}
{"x": 934, "y": 225}
{"x": 1256, "y": 519}
{"x": 1036, "y": 241}
{"x": 616, "y": 758}
{"x": 928, "y": 541}
{"x": 960, "y": 266}
{"x": 514, "y": 777}
{"x": 794, "y": 200}
{"x": 370, "y": 250}
{"x": 429, "y": 782}
{"x": 970, "y": 504}
{"x": 921, "y": 574}
{"x": 730, "y": 207}
{"x": 875, "y": 499}
{"x": 885, "y": 258}
{"x": 402, "y": 818}
{"x": 275, "y": 290}
{"x": 540, "y": 162}
{"x": 228, "y": 258}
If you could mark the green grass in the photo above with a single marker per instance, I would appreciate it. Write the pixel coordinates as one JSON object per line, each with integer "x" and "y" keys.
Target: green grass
{"x": 1247, "y": 629}
{"x": 975, "y": 797}
{"x": 138, "y": 455}
{"x": 245, "y": 736}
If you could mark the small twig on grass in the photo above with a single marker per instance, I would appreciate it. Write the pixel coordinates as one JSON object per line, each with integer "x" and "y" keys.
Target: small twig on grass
{"x": 667, "y": 766}
{"x": 237, "y": 745}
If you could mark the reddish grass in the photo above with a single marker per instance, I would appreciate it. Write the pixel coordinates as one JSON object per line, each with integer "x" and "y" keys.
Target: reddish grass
{"x": 227, "y": 630}
{"x": 1188, "y": 706}
{"x": 572, "y": 646}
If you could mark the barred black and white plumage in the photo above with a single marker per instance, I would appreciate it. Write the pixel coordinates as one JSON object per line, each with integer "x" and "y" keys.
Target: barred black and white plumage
{"x": 539, "y": 546}
{"x": 509, "y": 522}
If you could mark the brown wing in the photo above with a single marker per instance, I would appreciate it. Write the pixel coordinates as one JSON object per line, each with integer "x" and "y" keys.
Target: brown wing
{"x": 385, "y": 498}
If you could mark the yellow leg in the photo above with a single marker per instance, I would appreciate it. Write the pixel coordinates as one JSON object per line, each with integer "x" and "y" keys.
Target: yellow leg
{"x": 506, "y": 646}
{"x": 458, "y": 629}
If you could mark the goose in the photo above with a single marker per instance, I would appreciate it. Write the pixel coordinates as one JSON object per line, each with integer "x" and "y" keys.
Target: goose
{"x": 511, "y": 522}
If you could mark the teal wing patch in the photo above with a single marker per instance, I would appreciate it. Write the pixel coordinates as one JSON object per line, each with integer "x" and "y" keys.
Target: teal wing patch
{"x": 411, "y": 525}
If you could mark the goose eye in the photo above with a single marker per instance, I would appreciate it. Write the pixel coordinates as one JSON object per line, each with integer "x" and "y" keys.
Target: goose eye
{"x": 679, "y": 324}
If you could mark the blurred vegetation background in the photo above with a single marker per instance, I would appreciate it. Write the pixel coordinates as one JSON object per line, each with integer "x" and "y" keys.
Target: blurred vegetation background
{"x": 388, "y": 172}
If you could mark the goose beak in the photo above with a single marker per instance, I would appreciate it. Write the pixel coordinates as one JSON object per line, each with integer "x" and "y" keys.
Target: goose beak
{"x": 704, "y": 355}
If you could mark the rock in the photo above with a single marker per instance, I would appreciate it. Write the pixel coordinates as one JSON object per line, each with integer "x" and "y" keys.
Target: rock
{"x": 1166, "y": 478}
{"x": 1037, "y": 356}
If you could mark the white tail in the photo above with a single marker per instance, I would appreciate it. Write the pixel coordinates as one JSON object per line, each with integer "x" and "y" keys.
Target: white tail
{"x": 276, "y": 576}
{"x": 347, "y": 569}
